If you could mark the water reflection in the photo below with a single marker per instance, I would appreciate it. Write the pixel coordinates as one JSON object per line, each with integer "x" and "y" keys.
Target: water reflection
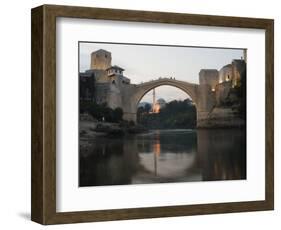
{"x": 163, "y": 156}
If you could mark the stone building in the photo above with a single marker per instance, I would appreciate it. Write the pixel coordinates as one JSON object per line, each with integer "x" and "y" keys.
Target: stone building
{"x": 115, "y": 75}
{"x": 230, "y": 76}
{"x": 219, "y": 103}
{"x": 239, "y": 69}
{"x": 86, "y": 86}
{"x": 100, "y": 60}
{"x": 208, "y": 80}
{"x": 232, "y": 72}
{"x": 103, "y": 82}
{"x": 225, "y": 73}
{"x": 210, "y": 77}
{"x": 160, "y": 104}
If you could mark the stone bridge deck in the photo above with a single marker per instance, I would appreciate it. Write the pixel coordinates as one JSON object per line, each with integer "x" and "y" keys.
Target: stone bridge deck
{"x": 189, "y": 88}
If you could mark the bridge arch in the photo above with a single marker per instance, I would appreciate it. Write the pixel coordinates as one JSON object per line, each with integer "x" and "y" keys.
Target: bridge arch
{"x": 140, "y": 90}
{"x": 158, "y": 85}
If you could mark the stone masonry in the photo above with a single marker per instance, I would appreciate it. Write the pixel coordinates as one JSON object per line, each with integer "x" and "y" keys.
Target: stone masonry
{"x": 113, "y": 88}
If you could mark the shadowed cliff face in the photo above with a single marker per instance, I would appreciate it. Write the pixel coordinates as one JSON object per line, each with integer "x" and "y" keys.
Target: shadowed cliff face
{"x": 222, "y": 153}
{"x": 163, "y": 156}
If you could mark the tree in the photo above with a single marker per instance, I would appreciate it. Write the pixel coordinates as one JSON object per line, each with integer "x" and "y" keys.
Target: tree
{"x": 101, "y": 111}
{"x": 140, "y": 112}
{"x": 117, "y": 114}
{"x": 176, "y": 114}
{"x": 147, "y": 108}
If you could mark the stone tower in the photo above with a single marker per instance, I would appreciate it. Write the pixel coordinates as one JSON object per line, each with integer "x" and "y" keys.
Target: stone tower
{"x": 100, "y": 60}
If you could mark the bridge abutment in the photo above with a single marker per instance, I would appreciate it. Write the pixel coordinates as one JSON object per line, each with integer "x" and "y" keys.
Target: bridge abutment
{"x": 130, "y": 116}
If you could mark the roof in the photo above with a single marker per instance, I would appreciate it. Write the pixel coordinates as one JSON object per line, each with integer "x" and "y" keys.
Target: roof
{"x": 208, "y": 70}
{"x": 85, "y": 74}
{"x": 226, "y": 66}
{"x": 238, "y": 60}
{"x": 161, "y": 100}
{"x": 100, "y": 51}
{"x": 115, "y": 67}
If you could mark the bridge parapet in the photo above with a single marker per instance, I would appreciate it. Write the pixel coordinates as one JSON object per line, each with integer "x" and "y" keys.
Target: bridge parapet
{"x": 165, "y": 80}
{"x": 143, "y": 88}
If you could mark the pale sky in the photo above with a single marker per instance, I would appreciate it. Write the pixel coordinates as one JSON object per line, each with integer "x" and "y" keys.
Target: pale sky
{"x": 146, "y": 62}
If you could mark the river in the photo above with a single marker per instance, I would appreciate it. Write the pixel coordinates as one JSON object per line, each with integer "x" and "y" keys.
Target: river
{"x": 162, "y": 156}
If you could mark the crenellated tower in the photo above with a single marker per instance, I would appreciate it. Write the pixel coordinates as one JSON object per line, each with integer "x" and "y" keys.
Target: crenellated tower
{"x": 100, "y": 60}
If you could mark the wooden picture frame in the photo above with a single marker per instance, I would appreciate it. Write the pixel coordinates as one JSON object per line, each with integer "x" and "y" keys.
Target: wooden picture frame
{"x": 43, "y": 208}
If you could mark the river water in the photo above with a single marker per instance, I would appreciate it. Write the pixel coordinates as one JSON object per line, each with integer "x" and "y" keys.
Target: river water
{"x": 162, "y": 156}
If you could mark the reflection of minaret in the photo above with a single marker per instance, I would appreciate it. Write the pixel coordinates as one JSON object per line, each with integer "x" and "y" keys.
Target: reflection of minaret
{"x": 155, "y": 164}
{"x": 153, "y": 104}
{"x": 156, "y": 152}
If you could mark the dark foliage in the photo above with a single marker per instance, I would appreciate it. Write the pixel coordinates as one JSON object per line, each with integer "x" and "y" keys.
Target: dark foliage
{"x": 175, "y": 115}
{"x": 101, "y": 112}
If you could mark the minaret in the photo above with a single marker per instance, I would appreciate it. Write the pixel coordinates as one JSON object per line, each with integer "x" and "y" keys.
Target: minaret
{"x": 153, "y": 105}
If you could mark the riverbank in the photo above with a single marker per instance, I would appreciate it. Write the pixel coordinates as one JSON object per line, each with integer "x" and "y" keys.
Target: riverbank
{"x": 90, "y": 129}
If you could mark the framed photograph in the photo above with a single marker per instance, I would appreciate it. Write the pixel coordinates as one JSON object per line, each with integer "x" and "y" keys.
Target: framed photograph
{"x": 140, "y": 114}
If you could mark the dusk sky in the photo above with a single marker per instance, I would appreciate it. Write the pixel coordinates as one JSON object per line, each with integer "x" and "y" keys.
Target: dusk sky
{"x": 146, "y": 62}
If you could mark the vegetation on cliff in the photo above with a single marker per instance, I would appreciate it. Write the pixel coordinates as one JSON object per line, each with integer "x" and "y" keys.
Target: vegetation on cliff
{"x": 236, "y": 98}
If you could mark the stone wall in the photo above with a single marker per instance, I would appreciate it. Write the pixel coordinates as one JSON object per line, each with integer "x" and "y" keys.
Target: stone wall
{"x": 209, "y": 77}
{"x": 101, "y": 92}
{"x": 225, "y": 73}
{"x": 114, "y": 98}
{"x": 222, "y": 92}
{"x": 99, "y": 75}
{"x": 239, "y": 68}
{"x": 221, "y": 118}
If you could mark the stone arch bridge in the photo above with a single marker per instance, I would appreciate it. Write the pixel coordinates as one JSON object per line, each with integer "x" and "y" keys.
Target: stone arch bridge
{"x": 201, "y": 95}
{"x": 209, "y": 96}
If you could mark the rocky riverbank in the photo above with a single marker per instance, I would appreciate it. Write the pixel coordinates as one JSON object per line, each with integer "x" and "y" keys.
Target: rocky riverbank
{"x": 123, "y": 128}
{"x": 90, "y": 129}
{"x": 221, "y": 118}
